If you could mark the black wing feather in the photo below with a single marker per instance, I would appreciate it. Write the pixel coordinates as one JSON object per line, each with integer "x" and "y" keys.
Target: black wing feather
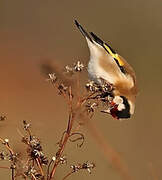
{"x": 97, "y": 39}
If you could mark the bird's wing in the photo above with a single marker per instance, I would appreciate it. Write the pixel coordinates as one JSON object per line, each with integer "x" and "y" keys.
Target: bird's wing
{"x": 110, "y": 51}
{"x": 96, "y": 40}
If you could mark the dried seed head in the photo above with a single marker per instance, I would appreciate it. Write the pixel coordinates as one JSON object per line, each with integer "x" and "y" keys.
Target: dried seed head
{"x": 90, "y": 107}
{"x": 53, "y": 158}
{"x": 78, "y": 66}
{"x": 52, "y": 77}
{"x": 2, "y": 118}
{"x": 26, "y": 125}
{"x": 3, "y": 156}
{"x": 6, "y": 140}
{"x": 35, "y": 143}
{"x": 75, "y": 168}
{"x": 25, "y": 140}
{"x": 62, "y": 88}
{"x": 92, "y": 86}
{"x": 13, "y": 166}
{"x": 44, "y": 160}
{"x": 88, "y": 166}
{"x": 63, "y": 160}
{"x": 69, "y": 70}
{"x": 30, "y": 171}
{"x": 105, "y": 86}
{"x": 13, "y": 157}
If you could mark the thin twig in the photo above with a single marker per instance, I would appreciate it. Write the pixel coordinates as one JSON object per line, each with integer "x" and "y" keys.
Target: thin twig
{"x": 30, "y": 134}
{"x": 12, "y": 174}
{"x": 69, "y": 128}
{"x": 34, "y": 176}
{"x": 84, "y": 99}
{"x": 81, "y": 137}
{"x": 48, "y": 169}
{"x": 63, "y": 93}
{"x": 70, "y": 100}
{"x": 38, "y": 163}
{"x": 70, "y": 173}
{"x": 78, "y": 86}
{"x": 7, "y": 146}
{"x": 62, "y": 137}
{"x": 66, "y": 137}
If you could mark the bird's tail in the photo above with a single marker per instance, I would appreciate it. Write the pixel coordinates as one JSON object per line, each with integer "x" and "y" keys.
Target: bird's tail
{"x": 82, "y": 30}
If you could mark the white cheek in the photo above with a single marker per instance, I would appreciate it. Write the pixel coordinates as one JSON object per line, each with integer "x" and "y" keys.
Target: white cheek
{"x": 121, "y": 107}
{"x": 118, "y": 100}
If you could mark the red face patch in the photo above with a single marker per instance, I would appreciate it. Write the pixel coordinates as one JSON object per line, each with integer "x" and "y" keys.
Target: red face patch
{"x": 114, "y": 111}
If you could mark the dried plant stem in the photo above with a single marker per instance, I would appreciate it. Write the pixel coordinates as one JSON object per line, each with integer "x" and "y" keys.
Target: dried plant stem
{"x": 41, "y": 170}
{"x": 34, "y": 177}
{"x": 78, "y": 87}
{"x": 61, "y": 150}
{"x": 70, "y": 100}
{"x": 7, "y": 146}
{"x": 70, "y": 173}
{"x": 48, "y": 169}
{"x": 111, "y": 155}
{"x": 12, "y": 174}
{"x": 69, "y": 128}
{"x": 63, "y": 93}
{"x": 29, "y": 132}
{"x": 12, "y": 153}
{"x": 87, "y": 97}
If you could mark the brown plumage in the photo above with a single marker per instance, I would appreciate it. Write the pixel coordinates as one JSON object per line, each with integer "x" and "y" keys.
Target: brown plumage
{"x": 106, "y": 64}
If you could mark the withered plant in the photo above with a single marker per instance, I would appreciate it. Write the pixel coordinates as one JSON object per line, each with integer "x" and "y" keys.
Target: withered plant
{"x": 83, "y": 102}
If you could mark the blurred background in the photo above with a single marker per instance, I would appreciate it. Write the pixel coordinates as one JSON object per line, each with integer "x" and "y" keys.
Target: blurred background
{"x": 32, "y": 32}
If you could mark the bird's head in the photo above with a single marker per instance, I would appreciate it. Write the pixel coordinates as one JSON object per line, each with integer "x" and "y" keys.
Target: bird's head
{"x": 121, "y": 107}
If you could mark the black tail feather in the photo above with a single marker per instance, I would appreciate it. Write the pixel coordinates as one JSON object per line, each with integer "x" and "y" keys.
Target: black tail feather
{"x": 85, "y": 34}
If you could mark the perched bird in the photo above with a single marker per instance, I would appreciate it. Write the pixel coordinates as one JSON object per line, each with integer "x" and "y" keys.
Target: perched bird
{"x": 106, "y": 64}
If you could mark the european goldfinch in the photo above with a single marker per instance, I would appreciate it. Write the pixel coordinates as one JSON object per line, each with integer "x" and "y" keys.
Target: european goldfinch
{"x": 106, "y": 64}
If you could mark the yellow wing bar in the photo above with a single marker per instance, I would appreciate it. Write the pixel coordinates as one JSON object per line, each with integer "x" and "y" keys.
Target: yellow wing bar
{"x": 114, "y": 55}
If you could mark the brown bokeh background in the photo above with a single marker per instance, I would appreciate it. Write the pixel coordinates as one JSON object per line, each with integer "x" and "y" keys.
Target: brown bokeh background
{"x": 35, "y": 30}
